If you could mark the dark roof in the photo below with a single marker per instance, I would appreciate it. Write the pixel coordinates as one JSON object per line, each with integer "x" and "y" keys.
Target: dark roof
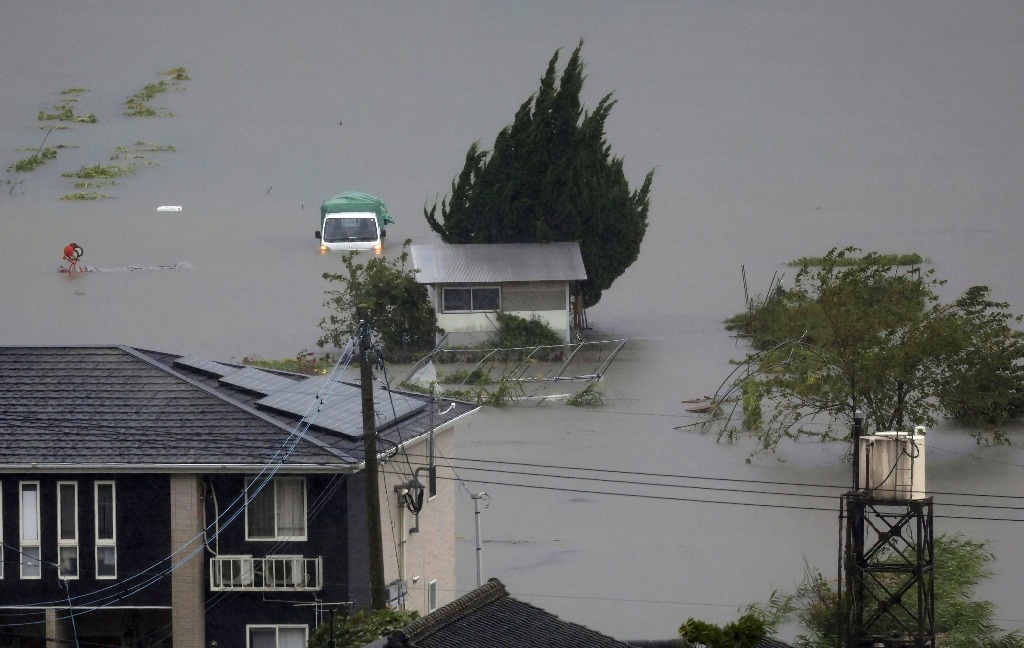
{"x": 488, "y": 617}
{"x": 122, "y": 408}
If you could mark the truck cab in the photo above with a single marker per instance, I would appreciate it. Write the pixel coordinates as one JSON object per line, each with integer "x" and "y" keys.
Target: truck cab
{"x": 350, "y": 231}
{"x": 353, "y": 221}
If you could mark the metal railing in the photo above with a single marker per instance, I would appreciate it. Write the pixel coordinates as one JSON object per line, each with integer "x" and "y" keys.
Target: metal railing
{"x": 239, "y": 573}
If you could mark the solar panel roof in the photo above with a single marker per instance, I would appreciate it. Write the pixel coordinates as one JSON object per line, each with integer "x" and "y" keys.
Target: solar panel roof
{"x": 259, "y": 381}
{"x": 206, "y": 366}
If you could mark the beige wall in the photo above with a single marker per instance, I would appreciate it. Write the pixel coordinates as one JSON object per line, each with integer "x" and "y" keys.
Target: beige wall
{"x": 188, "y": 621}
{"x": 430, "y": 553}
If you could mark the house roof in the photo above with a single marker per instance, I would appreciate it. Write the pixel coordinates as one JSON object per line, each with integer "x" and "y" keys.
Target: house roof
{"x": 498, "y": 262}
{"x": 119, "y": 408}
{"x": 488, "y": 617}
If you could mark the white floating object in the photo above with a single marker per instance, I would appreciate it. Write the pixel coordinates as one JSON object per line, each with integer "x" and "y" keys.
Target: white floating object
{"x": 169, "y": 208}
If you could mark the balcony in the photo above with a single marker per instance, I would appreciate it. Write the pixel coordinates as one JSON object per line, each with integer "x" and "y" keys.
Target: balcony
{"x": 267, "y": 574}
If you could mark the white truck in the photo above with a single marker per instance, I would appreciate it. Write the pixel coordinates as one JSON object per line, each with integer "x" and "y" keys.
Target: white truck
{"x": 353, "y": 221}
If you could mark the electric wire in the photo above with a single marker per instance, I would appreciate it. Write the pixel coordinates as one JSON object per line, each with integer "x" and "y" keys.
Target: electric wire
{"x": 263, "y": 478}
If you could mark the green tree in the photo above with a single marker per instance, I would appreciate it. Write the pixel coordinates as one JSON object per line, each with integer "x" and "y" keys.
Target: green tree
{"x": 551, "y": 177}
{"x": 745, "y": 632}
{"x": 403, "y": 318}
{"x": 960, "y": 620}
{"x": 361, "y": 628}
{"x": 874, "y": 337}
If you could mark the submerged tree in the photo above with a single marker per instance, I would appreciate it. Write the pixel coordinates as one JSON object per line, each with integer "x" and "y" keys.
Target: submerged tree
{"x": 874, "y": 337}
{"x": 551, "y": 177}
{"x": 398, "y": 306}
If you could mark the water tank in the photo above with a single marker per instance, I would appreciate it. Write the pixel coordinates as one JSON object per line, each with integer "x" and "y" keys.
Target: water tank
{"x": 892, "y": 465}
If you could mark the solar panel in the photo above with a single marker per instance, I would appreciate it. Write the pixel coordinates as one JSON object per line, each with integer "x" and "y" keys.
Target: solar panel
{"x": 339, "y": 408}
{"x": 295, "y": 403}
{"x": 259, "y": 381}
{"x": 322, "y": 385}
{"x": 206, "y": 366}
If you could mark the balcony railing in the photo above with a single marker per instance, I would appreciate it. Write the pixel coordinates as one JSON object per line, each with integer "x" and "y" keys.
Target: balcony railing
{"x": 270, "y": 573}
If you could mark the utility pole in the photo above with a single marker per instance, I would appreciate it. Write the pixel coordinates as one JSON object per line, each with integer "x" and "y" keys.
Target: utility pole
{"x": 378, "y": 597}
{"x": 479, "y": 545}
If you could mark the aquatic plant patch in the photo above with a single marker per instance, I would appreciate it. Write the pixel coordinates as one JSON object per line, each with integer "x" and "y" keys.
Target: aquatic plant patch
{"x": 101, "y": 171}
{"x": 137, "y": 105}
{"x": 41, "y": 157}
{"x": 83, "y": 196}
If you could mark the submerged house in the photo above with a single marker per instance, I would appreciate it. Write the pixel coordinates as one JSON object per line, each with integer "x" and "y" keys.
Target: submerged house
{"x": 469, "y": 284}
{"x": 149, "y": 498}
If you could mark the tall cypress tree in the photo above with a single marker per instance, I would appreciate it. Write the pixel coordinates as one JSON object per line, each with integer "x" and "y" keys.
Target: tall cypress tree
{"x": 551, "y": 177}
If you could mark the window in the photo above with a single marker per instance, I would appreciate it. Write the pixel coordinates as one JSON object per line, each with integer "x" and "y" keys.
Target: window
{"x": 106, "y": 531}
{"x": 29, "y": 529}
{"x": 470, "y": 300}
{"x": 67, "y": 529}
{"x": 432, "y": 596}
{"x": 276, "y": 510}
{"x": 281, "y": 636}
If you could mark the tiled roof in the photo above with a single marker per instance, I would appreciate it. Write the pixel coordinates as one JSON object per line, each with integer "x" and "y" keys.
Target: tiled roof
{"x": 488, "y": 617}
{"x": 121, "y": 408}
{"x": 498, "y": 262}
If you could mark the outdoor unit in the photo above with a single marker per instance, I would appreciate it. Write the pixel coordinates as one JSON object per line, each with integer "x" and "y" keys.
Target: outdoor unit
{"x": 231, "y": 571}
{"x": 892, "y": 465}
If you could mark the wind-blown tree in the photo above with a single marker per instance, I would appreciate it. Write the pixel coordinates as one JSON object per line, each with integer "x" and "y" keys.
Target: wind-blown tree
{"x": 551, "y": 177}
{"x": 404, "y": 322}
{"x": 961, "y": 620}
{"x": 863, "y": 334}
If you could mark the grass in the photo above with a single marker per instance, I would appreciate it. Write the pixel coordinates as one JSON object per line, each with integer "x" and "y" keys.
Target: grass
{"x": 893, "y": 259}
{"x": 305, "y": 362}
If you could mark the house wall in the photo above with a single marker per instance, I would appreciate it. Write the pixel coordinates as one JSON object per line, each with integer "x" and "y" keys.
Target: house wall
{"x": 142, "y": 541}
{"x": 547, "y": 300}
{"x": 429, "y": 554}
{"x": 228, "y": 613}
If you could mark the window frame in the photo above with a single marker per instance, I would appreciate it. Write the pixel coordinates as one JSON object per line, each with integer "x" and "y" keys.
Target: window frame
{"x": 273, "y": 484}
{"x": 105, "y": 543}
{"x": 72, "y": 542}
{"x": 472, "y": 299}
{"x": 249, "y": 627}
{"x": 24, "y": 543}
{"x": 431, "y": 595}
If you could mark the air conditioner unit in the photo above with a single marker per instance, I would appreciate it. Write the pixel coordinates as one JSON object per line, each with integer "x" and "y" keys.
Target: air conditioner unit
{"x": 234, "y": 571}
{"x": 892, "y": 465}
{"x": 286, "y": 571}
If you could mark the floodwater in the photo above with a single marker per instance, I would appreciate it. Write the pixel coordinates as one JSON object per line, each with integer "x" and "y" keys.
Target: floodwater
{"x": 777, "y": 129}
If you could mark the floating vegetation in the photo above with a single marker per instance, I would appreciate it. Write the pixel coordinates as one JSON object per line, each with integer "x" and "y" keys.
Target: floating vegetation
{"x": 178, "y": 74}
{"x": 43, "y": 156}
{"x": 894, "y": 259}
{"x": 138, "y": 104}
{"x": 65, "y": 112}
{"x": 84, "y": 195}
{"x": 137, "y": 152}
{"x": 93, "y": 185}
{"x": 101, "y": 171}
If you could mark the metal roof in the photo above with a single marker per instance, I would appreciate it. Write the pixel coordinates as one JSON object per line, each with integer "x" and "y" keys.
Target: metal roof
{"x": 498, "y": 262}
